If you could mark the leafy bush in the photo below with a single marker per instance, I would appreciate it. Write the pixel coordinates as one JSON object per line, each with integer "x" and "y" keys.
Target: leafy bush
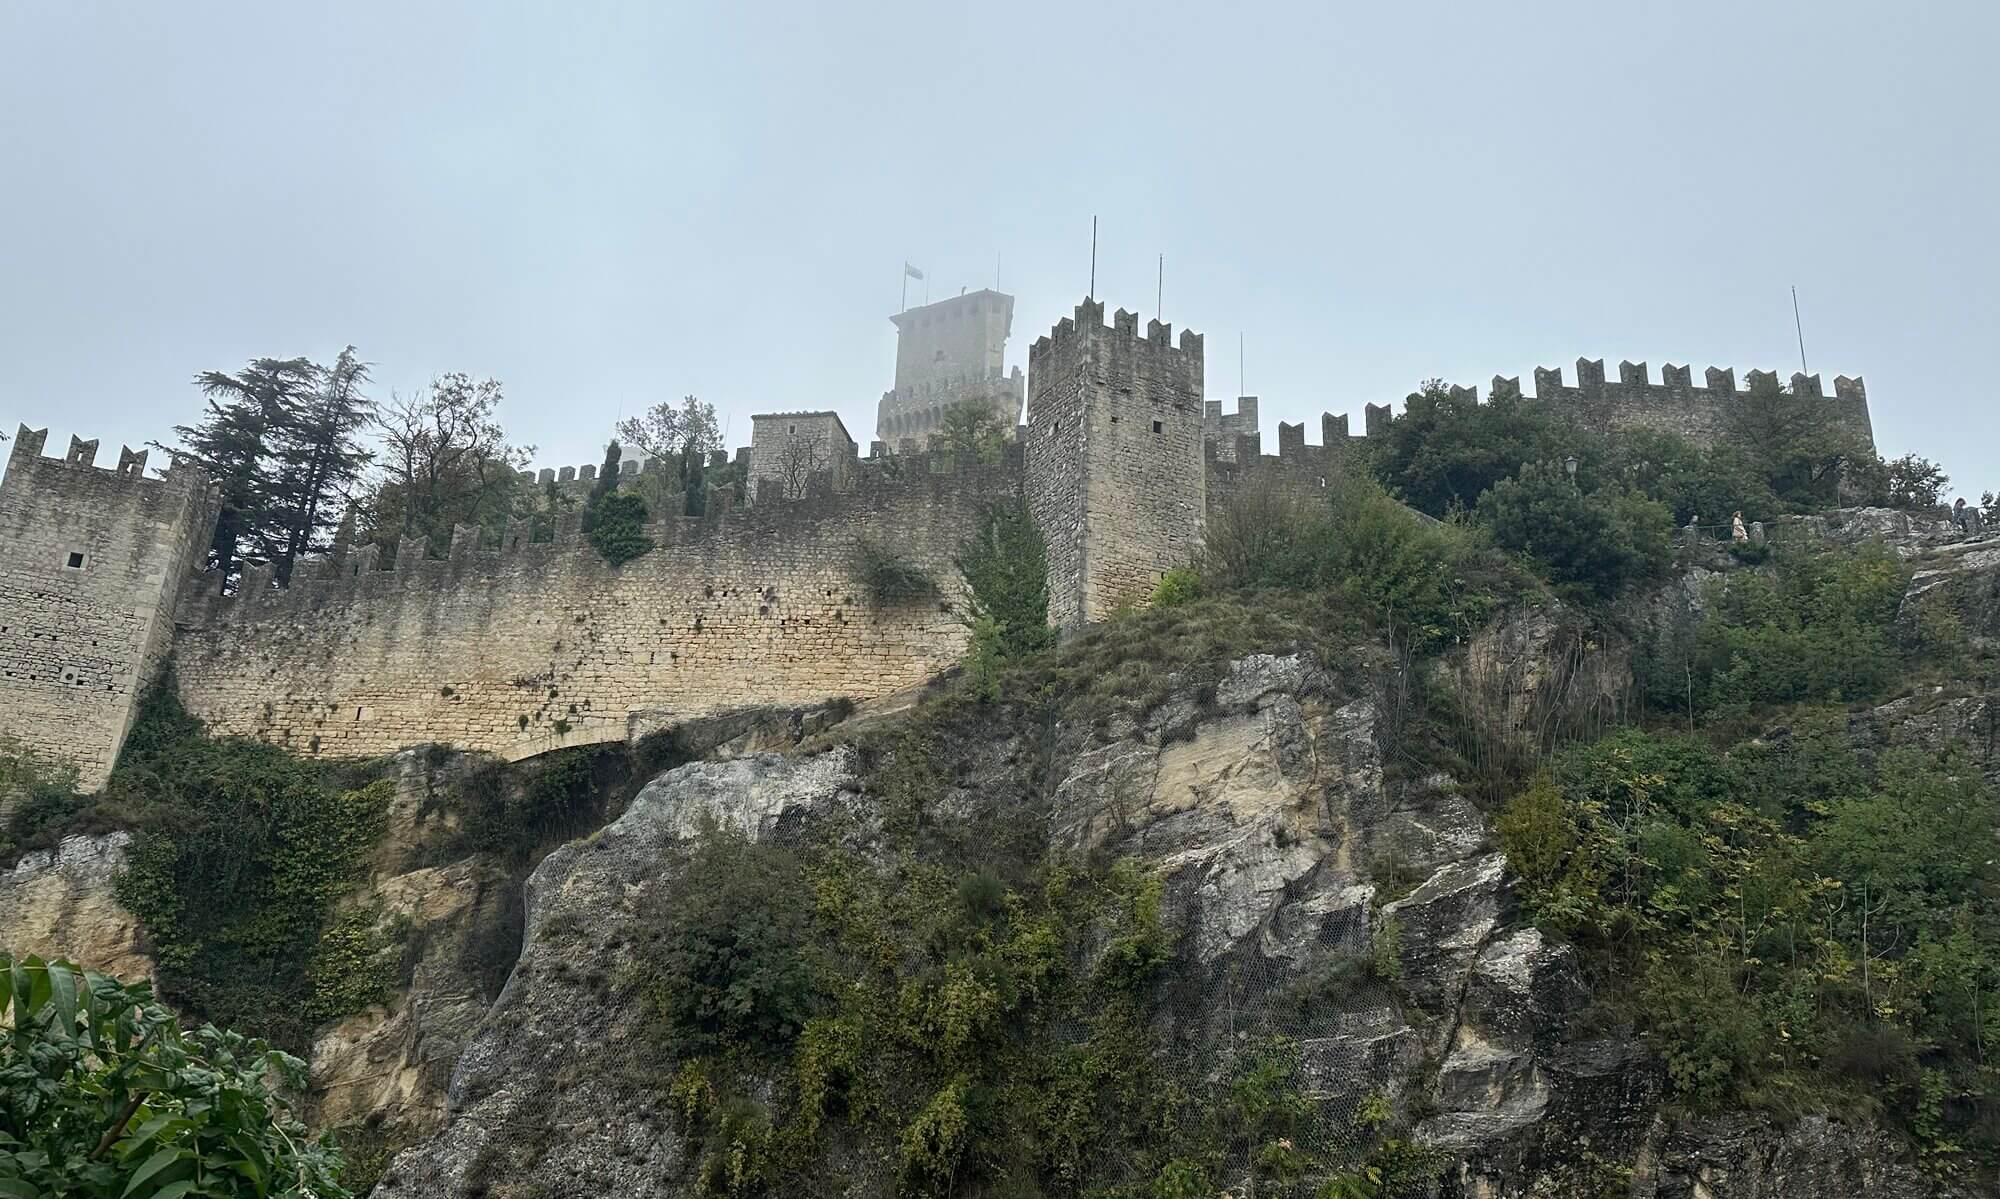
{"x": 1696, "y": 484}
{"x": 1797, "y": 926}
{"x": 1178, "y": 586}
{"x": 44, "y": 796}
{"x": 725, "y": 961}
{"x": 1006, "y": 568}
{"x": 1819, "y": 627}
{"x": 1598, "y": 541}
{"x": 618, "y": 527}
{"x": 969, "y": 429}
{"x": 103, "y": 1096}
{"x": 1443, "y": 451}
{"x": 1428, "y": 583}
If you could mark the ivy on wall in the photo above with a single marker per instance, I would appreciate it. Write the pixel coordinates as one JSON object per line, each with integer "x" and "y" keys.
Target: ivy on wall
{"x": 240, "y": 857}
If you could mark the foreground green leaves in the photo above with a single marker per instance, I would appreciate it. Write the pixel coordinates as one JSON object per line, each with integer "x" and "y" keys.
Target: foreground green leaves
{"x": 103, "y": 1096}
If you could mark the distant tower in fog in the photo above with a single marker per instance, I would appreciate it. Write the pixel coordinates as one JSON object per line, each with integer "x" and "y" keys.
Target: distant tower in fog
{"x": 947, "y": 353}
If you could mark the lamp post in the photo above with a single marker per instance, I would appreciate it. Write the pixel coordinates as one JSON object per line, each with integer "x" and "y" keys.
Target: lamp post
{"x": 1569, "y": 464}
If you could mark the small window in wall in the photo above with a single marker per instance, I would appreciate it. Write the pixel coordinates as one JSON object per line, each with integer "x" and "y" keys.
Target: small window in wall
{"x": 791, "y": 428}
{"x": 1156, "y": 426}
{"x": 74, "y": 561}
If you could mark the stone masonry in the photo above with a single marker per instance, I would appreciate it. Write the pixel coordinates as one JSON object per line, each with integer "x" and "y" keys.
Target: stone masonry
{"x": 91, "y": 562}
{"x": 530, "y": 646}
{"x": 538, "y": 645}
{"x": 1115, "y": 474}
{"x": 788, "y": 450}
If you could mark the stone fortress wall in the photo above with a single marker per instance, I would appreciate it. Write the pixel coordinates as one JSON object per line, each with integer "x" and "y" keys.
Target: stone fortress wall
{"x": 91, "y": 564}
{"x": 529, "y": 646}
{"x": 533, "y": 646}
{"x": 1632, "y": 403}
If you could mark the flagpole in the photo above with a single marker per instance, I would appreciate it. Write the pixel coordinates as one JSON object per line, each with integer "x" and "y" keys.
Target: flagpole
{"x": 1092, "y": 293}
{"x": 903, "y": 305}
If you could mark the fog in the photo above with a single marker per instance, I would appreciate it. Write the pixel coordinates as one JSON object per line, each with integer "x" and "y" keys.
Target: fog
{"x": 612, "y": 209}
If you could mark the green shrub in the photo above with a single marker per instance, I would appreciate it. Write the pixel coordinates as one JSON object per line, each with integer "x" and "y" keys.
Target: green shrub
{"x": 618, "y": 530}
{"x": 1598, "y": 541}
{"x": 1443, "y": 451}
{"x": 1794, "y": 925}
{"x": 1178, "y": 586}
{"x": 1819, "y": 627}
{"x": 1427, "y": 583}
{"x": 725, "y": 963}
{"x": 1006, "y": 569}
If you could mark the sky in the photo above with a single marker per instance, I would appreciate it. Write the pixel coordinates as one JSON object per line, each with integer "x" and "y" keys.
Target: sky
{"x": 609, "y": 205}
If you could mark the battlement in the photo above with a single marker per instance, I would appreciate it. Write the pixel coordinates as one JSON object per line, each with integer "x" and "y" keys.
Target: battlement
{"x": 835, "y": 504}
{"x": 26, "y": 458}
{"x": 1635, "y": 380}
{"x": 1087, "y": 328}
{"x": 953, "y": 385}
{"x": 1704, "y": 414}
{"x": 528, "y": 645}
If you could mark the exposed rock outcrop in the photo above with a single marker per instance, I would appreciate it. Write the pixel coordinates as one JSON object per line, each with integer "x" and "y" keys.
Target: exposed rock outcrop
{"x": 60, "y": 903}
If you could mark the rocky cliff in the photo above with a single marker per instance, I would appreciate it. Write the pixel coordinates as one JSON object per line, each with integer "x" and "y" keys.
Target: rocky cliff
{"x": 1321, "y": 881}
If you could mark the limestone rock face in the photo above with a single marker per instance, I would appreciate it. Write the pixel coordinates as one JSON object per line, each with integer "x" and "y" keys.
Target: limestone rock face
{"x": 1746, "y": 1158}
{"x": 1291, "y": 847}
{"x": 555, "y": 1089}
{"x": 386, "y": 1068}
{"x": 59, "y": 903}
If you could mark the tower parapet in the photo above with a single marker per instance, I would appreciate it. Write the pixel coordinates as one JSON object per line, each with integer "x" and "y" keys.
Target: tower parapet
{"x": 1115, "y": 479}
{"x": 950, "y": 353}
{"x": 89, "y": 578}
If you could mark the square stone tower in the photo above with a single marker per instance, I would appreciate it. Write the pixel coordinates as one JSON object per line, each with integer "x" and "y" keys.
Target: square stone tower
{"x": 1115, "y": 477}
{"x": 92, "y": 562}
{"x": 948, "y": 353}
{"x": 794, "y": 453}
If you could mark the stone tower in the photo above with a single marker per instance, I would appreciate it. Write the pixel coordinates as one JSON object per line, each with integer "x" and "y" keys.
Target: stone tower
{"x": 1115, "y": 476}
{"x": 947, "y": 353}
{"x": 91, "y": 567}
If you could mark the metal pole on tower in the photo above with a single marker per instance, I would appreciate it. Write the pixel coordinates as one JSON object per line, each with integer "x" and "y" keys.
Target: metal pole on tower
{"x": 1240, "y": 388}
{"x": 1092, "y": 293}
{"x": 1801, "y": 329}
{"x": 1160, "y": 290}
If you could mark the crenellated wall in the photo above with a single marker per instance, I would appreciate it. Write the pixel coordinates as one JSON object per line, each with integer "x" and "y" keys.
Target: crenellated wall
{"x": 1704, "y": 415}
{"x": 537, "y": 645}
{"x": 91, "y": 561}
{"x": 1115, "y": 478}
{"x": 527, "y": 646}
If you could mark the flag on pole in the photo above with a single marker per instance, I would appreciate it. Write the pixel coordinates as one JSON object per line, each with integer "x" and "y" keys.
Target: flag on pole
{"x": 912, "y": 272}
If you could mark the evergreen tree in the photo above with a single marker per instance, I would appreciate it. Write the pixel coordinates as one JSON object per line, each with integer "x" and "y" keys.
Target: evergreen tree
{"x": 317, "y": 458}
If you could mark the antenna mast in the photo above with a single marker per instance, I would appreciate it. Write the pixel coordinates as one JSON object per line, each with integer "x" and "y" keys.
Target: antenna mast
{"x": 1092, "y": 293}
{"x": 1801, "y": 329}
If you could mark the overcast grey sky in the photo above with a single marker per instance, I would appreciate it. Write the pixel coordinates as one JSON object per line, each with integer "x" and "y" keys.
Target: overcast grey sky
{"x": 609, "y": 205}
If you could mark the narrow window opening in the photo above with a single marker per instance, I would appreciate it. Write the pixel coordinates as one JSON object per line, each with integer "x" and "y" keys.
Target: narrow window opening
{"x": 75, "y": 560}
{"x": 1156, "y": 426}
